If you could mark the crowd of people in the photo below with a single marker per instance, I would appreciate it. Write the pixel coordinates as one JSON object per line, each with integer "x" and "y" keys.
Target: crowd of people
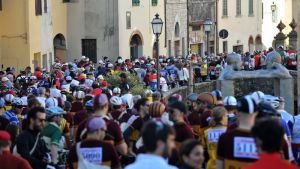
{"x": 72, "y": 118}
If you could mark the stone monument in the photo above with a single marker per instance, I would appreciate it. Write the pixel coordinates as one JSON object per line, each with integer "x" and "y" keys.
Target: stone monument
{"x": 280, "y": 37}
{"x": 293, "y": 35}
{"x": 275, "y": 80}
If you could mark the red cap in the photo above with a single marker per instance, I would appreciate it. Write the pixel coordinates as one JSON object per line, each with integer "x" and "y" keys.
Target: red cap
{"x": 104, "y": 84}
{"x": 4, "y": 136}
{"x": 81, "y": 77}
{"x": 96, "y": 92}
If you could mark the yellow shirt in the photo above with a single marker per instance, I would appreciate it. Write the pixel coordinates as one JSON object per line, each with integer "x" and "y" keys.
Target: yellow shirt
{"x": 209, "y": 141}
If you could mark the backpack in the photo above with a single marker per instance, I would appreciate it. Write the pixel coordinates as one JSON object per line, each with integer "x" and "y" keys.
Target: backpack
{"x": 84, "y": 164}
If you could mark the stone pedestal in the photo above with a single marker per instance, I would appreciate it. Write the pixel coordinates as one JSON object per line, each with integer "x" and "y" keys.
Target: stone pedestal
{"x": 279, "y": 39}
{"x": 287, "y": 91}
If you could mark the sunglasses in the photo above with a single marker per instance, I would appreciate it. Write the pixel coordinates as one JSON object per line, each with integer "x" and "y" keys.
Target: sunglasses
{"x": 41, "y": 120}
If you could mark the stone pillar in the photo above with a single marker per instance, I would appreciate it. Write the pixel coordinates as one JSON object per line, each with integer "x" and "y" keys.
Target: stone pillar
{"x": 226, "y": 87}
{"x": 293, "y": 35}
{"x": 287, "y": 91}
{"x": 280, "y": 37}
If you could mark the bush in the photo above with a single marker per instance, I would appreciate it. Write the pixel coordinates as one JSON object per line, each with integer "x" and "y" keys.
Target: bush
{"x": 137, "y": 87}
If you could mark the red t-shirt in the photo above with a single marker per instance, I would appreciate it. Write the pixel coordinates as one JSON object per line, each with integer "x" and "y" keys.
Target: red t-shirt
{"x": 10, "y": 161}
{"x": 270, "y": 161}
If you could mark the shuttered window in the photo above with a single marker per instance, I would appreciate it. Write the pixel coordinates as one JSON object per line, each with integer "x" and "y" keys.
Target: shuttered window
{"x": 154, "y": 2}
{"x": 135, "y": 2}
{"x": 225, "y": 8}
{"x": 250, "y": 7}
{"x": 238, "y": 7}
{"x": 38, "y": 7}
{"x": 45, "y": 6}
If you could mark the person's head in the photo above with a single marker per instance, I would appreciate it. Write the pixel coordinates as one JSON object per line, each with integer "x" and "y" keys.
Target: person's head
{"x": 13, "y": 130}
{"x": 116, "y": 103}
{"x": 218, "y": 117}
{"x": 36, "y": 118}
{"x": 156, "y": 96}
{"x": 55, "y": 114}
{"x": 266, "y": 110}
{"x": 281, "y": 103}
{"x": 96, "y": 128}
{"x": 258, "y": 96}
{"x": 156, "y": 109}
{"x": 117, "y": 91}
{"x": 33, "y": 102}
{"x": 123, "y": 77}
{"x": 191, "y": 101}
{"x": 79, "y": 95}
{"x": 177, "y": 111}
{"x": 158, "y": 138}
{"x": 5, "y": 141}
{"x": 247, "y": 109}
{"x": 206, "y": 101}
{"x": 142, "y": 106}
{"x": 230, "y": 103}
{"x": 101, "y": 103}
{"x": 17, "y": 105}
{"x": 268, "y": 134}
{"x": 219, "y": 96}
{"x": 192, "y": 154}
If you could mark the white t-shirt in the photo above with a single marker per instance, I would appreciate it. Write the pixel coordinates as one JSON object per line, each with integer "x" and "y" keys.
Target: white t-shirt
{"x": 128, "y": 98}
{"x": 42, "y": 101}
{"x": 163, "y": 83}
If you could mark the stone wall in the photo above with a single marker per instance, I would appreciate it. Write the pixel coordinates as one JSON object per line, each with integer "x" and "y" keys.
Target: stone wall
{"x": 247, "y": 86}
{"x": 198, "y": 88}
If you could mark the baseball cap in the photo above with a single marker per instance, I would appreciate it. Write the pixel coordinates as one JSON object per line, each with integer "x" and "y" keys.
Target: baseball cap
{"x": 69, "y": 78}
{"x": 217, "y": 94}
{"x": 4, "y": 135}
{"x": 4, "y": 79}
{"x": 192, "y": 97}
{"x": 101, "y": 62}
{"x": 54, "y": 111}
{"x": 247, "y": 105}
{"x": 207, "y": 97}
{"x": 79, "y": 94}
{"x": 230, "y": 101}
{"x": 96, "y": 92}
{"x": 104, "y": 84}
{"x": 177, "y": 96}
{"x": 116, "y": 101}
{"x": 95, "y": 123}
{"x": 100, "y": 100}
{"x": 55, "y": 93}
{"x": 117, "y": 90}
{"x": 100, "y": 77}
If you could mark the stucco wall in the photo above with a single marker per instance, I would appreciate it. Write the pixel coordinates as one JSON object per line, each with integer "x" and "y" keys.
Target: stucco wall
{"x": 13, "y": 29}
{"x": 176, "y": 11}
{"x": 141, "y": 17}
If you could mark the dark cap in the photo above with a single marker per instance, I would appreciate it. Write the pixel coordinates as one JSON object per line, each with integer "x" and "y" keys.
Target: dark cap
{"x": 179, "y": 105}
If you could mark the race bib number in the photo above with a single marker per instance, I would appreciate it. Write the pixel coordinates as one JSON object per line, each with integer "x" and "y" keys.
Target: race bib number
{"x": 93, "y": 155}
{"x": 245, "y": 147}
{"x": 214, "y": 135}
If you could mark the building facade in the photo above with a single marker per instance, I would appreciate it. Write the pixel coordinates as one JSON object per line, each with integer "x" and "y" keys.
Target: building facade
{"x": 176, "y": 28}
{"x": 251, "y": 24}
{"x": 98, "y": 28}
{"x": 29, "y": 31}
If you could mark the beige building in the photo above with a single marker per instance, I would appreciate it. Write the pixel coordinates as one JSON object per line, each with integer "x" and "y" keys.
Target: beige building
{"x": 251, "y": 24}
{"x": 98, "y": 28}
{"x": 31, "y": 32}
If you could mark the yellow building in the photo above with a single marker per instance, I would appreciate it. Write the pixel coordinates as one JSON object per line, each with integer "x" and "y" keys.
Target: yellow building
{"x": 32, "y": 32}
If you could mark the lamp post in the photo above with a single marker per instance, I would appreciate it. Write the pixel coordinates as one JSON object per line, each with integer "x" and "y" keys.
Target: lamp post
{"x": 207, "y": 28}
{"x": 157, "y": 25}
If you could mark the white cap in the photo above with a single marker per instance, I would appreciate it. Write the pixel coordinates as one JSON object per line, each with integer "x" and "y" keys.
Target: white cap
{"x": 79, "y": 94}
{"x": 9, "y": 97}
{"x": 101, "y": 62}
{"x": 51, "y": 102}
{"x": 152, "y": 62}
{"x": 230, "y": 101}
{"x": 55, "y": 93}
{"x": 100, "y": 77}
{"x": 116, "y": 101}
{"x": 257, "y": 96}
{"x": 69, "y": 78}
{"x": 117, "y": 90}
{"x": 110, "y": 65}
{"x": 33, "y": 78}
{"x": 4, "y": 79}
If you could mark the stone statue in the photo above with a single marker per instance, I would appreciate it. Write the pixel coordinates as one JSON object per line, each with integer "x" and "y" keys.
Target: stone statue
{"x": 274, "y": 68}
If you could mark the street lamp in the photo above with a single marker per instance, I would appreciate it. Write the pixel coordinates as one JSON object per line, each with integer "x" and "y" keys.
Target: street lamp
{"x": 207, "y": 28}
{"x": 157, "y": 25}
{"x": 273, "y": 7}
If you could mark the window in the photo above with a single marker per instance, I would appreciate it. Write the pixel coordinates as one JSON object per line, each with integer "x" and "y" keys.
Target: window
{"x": 225, "y": 46}
{"x": 38, "y": 7}
{"x": 89, "y": 49}
{"x": 196, "y": 28}
{"x": 225, "y": 8}
{"x": 0, "y": 5}
{"x": 128, "y": 20}
{"x": 45, "y": 6}
{"x": 250, "y": 7}
{"x": 154, "y": 2}
{"x": 177, "y": 30}
{"x": 169, "y": 47}
{"x": 135, "y": 2}
{"x": 238, "y": 7}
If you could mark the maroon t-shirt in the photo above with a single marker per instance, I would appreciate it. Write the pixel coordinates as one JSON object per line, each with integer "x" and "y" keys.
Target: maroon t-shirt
{"x": 237, "y": 148}
{"x": 113, "y": 134}
{"x": 183, "y": 132}
{"x": 105, "y": 150}
{"x": 195, "y": 121}
{"x": 76, "y": 106}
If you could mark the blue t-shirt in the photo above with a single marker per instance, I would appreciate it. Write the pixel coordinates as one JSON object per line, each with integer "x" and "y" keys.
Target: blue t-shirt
{"x": 285, "y": 127}
{"x": 173, "y": 70}
{"x": 164, "y": 73}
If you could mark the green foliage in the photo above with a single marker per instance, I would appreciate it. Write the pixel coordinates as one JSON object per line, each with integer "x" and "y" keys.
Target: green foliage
{"x": 137, "y": 87}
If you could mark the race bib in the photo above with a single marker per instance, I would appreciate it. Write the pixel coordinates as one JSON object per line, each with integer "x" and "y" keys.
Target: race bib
{"x": 214, "y": 134}
{"x": 93, "y": 155}
{"x": 245, "y": 147}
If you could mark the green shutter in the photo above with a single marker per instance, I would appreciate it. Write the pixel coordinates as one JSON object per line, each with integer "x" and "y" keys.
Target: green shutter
{"x": 154, "y": 2}
{"x": 135, "y": 2}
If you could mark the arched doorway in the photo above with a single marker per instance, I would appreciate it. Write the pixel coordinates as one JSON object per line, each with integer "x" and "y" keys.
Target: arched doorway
{"x": 258, "y": 43}
{"x": 60, "y": 49}
{"x": 136, "y": 46}
{"x": 251, "y": 44}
